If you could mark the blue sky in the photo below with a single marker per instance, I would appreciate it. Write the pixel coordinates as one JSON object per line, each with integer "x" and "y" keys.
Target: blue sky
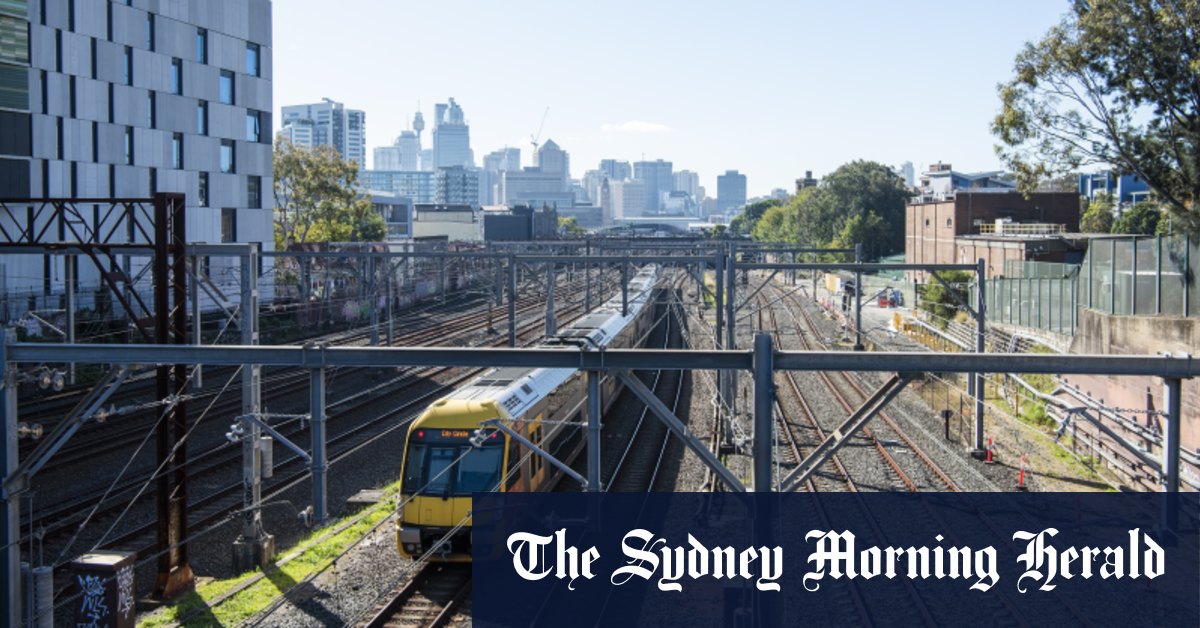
{"x": 768, "y": 88}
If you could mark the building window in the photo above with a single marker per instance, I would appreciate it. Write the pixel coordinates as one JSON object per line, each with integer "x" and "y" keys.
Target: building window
{"x": 58, "y": 51}
{"x": 58, "y": 123}
{"x": 177, "y": 76}
{"x": 150, "y": 31}
{"x": 228, "y": 225}
{"x": 926, "y": 222}
{"x": 112, "y": 101}
{"x": 253, "y": 126}
{"x": 228, "y": 163}
{"x": 202, "y": 192}
{"x": 95, "y": 142}
{"x": 254, "y": 192}
{"x": 128, "y": 146}
{"x": 177, "y": 151}
{"x": 108, "y": 20}
{"x": 95, "y": 61}
{"x": 949, "y": 222}
{"x": 151, "y": 110}
{"x": 71, "y": 20}
{"x": 153, "y": 181}
{"x": 253, "y": 66}
{"x": 72, "y": 93}
{"x": 202, "y": 117}
{"x": 201, "y": 45}
{"x": 128, "y": 65}
{"x": 227, "y": 91}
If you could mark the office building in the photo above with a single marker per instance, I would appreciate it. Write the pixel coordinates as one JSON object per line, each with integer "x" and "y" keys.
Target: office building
{"x": 501, "y": 160}
{"x": 627, "y": 199}
{"x": 551, "y": 159}
{"x": 403, "y": 154}
{"x": 415, "y": 184}
{"x": 456, "y": 186}
{"x": 451, "y": 137}
{"x": 333, "y": 125}
{"x": 731, "y": 191}
{"x": 105, "y": 99}
{"x": 657, "y": 178}
{"x": 534, "y": 188}
{"x": 688, "y": 182}
{"x": 616, "y": 170}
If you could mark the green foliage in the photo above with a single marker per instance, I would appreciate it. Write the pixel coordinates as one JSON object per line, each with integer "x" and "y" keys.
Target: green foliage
{"x": 743, "y": 224}
{"x": 777, "y": 224}
{"x": 1141, "y": 219}
{"x": 1115, "y": 83}
{"x": 716, "y": 232}
{"x": 317, "y": 200}
{"x": 940, "y": 301}
{"x": 856, "y": 189}
{"x": 1098, "y": 218}
{"x": 570, "y": 227}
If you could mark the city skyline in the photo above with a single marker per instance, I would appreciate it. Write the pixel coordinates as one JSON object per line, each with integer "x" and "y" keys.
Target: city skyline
{"x": 771, "y": 90}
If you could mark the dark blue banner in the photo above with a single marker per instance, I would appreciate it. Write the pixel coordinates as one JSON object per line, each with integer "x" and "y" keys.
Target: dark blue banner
{"x": 843, "y": 559}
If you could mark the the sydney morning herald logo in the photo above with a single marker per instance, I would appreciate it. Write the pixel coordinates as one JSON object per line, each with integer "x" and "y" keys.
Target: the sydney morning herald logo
{"x": 652, "y": 558}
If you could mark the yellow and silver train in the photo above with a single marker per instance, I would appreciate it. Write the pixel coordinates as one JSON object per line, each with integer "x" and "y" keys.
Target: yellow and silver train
{"x": 441, "y": 468}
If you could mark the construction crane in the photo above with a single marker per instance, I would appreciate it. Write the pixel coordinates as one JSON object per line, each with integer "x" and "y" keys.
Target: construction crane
{"x": 534, "y": 139}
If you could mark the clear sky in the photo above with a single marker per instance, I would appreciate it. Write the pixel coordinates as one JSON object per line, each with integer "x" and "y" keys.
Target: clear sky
{"x": 768, "y": 88}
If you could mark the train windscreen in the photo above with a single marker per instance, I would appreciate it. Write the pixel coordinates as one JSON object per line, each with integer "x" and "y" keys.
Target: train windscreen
{"x": 452, "y": 469}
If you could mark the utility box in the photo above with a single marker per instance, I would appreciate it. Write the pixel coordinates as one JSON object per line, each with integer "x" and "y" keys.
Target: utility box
{"x": 107, "y": 593}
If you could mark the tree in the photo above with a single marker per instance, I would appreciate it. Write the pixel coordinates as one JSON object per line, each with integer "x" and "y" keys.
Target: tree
{"x": 743, "y": 223}
{"x": 869, "y": 229}
{"x": 777, "y": 224}
{"x": 570, "y": 227}
{"x": 316, "y": 198}
{"x": 1141, "y": 219}
{"x": 942, "y": 302}
{"x": 1098, "y": 218}
{"x": 855, "y": 189}
{"x": 1117, "y": 83}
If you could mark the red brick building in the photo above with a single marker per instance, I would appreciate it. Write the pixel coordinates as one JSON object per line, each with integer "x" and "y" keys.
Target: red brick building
{"x": 995, "y": 226}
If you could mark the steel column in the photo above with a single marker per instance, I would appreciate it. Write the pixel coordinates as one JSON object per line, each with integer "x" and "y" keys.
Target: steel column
{"x": 980, "y": 331}
{"x": 197, "y": 330}
{"x": 764, "y": 423}
{"x": 1112, "y": 277}
{"x": 391, "y": 322}
{"x": 373, "y": 294}
{"x": 593, "y": 434}
{"x": 254, "y": 547}
{"x": 731, "y": 302}
{"x": 320, "y": 466}
{"x": 858, "y": 290}
{"x": 71, "y": 272}
{"x": 1172, "y": 389}
{"x": 719, "y": 274}
{"x": 1158, "y": 275}
{"x": 170, "y": 327}
{"x": 512, "y": 300}
{"x": 10, "y": 517}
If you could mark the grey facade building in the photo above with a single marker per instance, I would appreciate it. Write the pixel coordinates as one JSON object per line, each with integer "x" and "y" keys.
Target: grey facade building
{"x": 456, "y": 186}
{"x": 333, "y": 125}
{"x": 534, "y": 188}
{"x": 688, "y": 182}
{"x": 616, "y": 170}
{"x": 551, "y": 159}
{"x": 124, "y": 99}
{"x": 657, "y": 177}
{"x": 415, "y": 184}
{"x": 731, "y": 190}
{"x": 451, "y": 137}
{"x": 404, "y": 154}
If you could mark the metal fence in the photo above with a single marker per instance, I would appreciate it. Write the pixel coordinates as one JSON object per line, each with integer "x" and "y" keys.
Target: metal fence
{"x": 1122, "y": 275}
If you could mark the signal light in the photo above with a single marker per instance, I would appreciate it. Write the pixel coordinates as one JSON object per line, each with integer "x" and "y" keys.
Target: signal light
{"x": 420, "y": 433}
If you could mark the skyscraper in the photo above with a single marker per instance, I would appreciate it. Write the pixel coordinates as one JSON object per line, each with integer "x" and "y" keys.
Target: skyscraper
{"x": 451, "y": 137}
{"x": 456, "y": 186}
{"x": 501, "y": 160}
{"x": 139, "y": 99}
{"x": 656, "y": 175}
{"x": 403, "y": 154}
{"x": 333, "y": 125}
{"x": 616, "y": 170}
{"x": 688, "y": 182}
{"x": 731, "y": 191}
{"x": 554, "y": 160}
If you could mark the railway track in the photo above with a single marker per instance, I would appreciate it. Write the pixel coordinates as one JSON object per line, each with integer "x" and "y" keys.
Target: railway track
{"x": 211, "y": 507}
{"x": 431, "y": 598}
